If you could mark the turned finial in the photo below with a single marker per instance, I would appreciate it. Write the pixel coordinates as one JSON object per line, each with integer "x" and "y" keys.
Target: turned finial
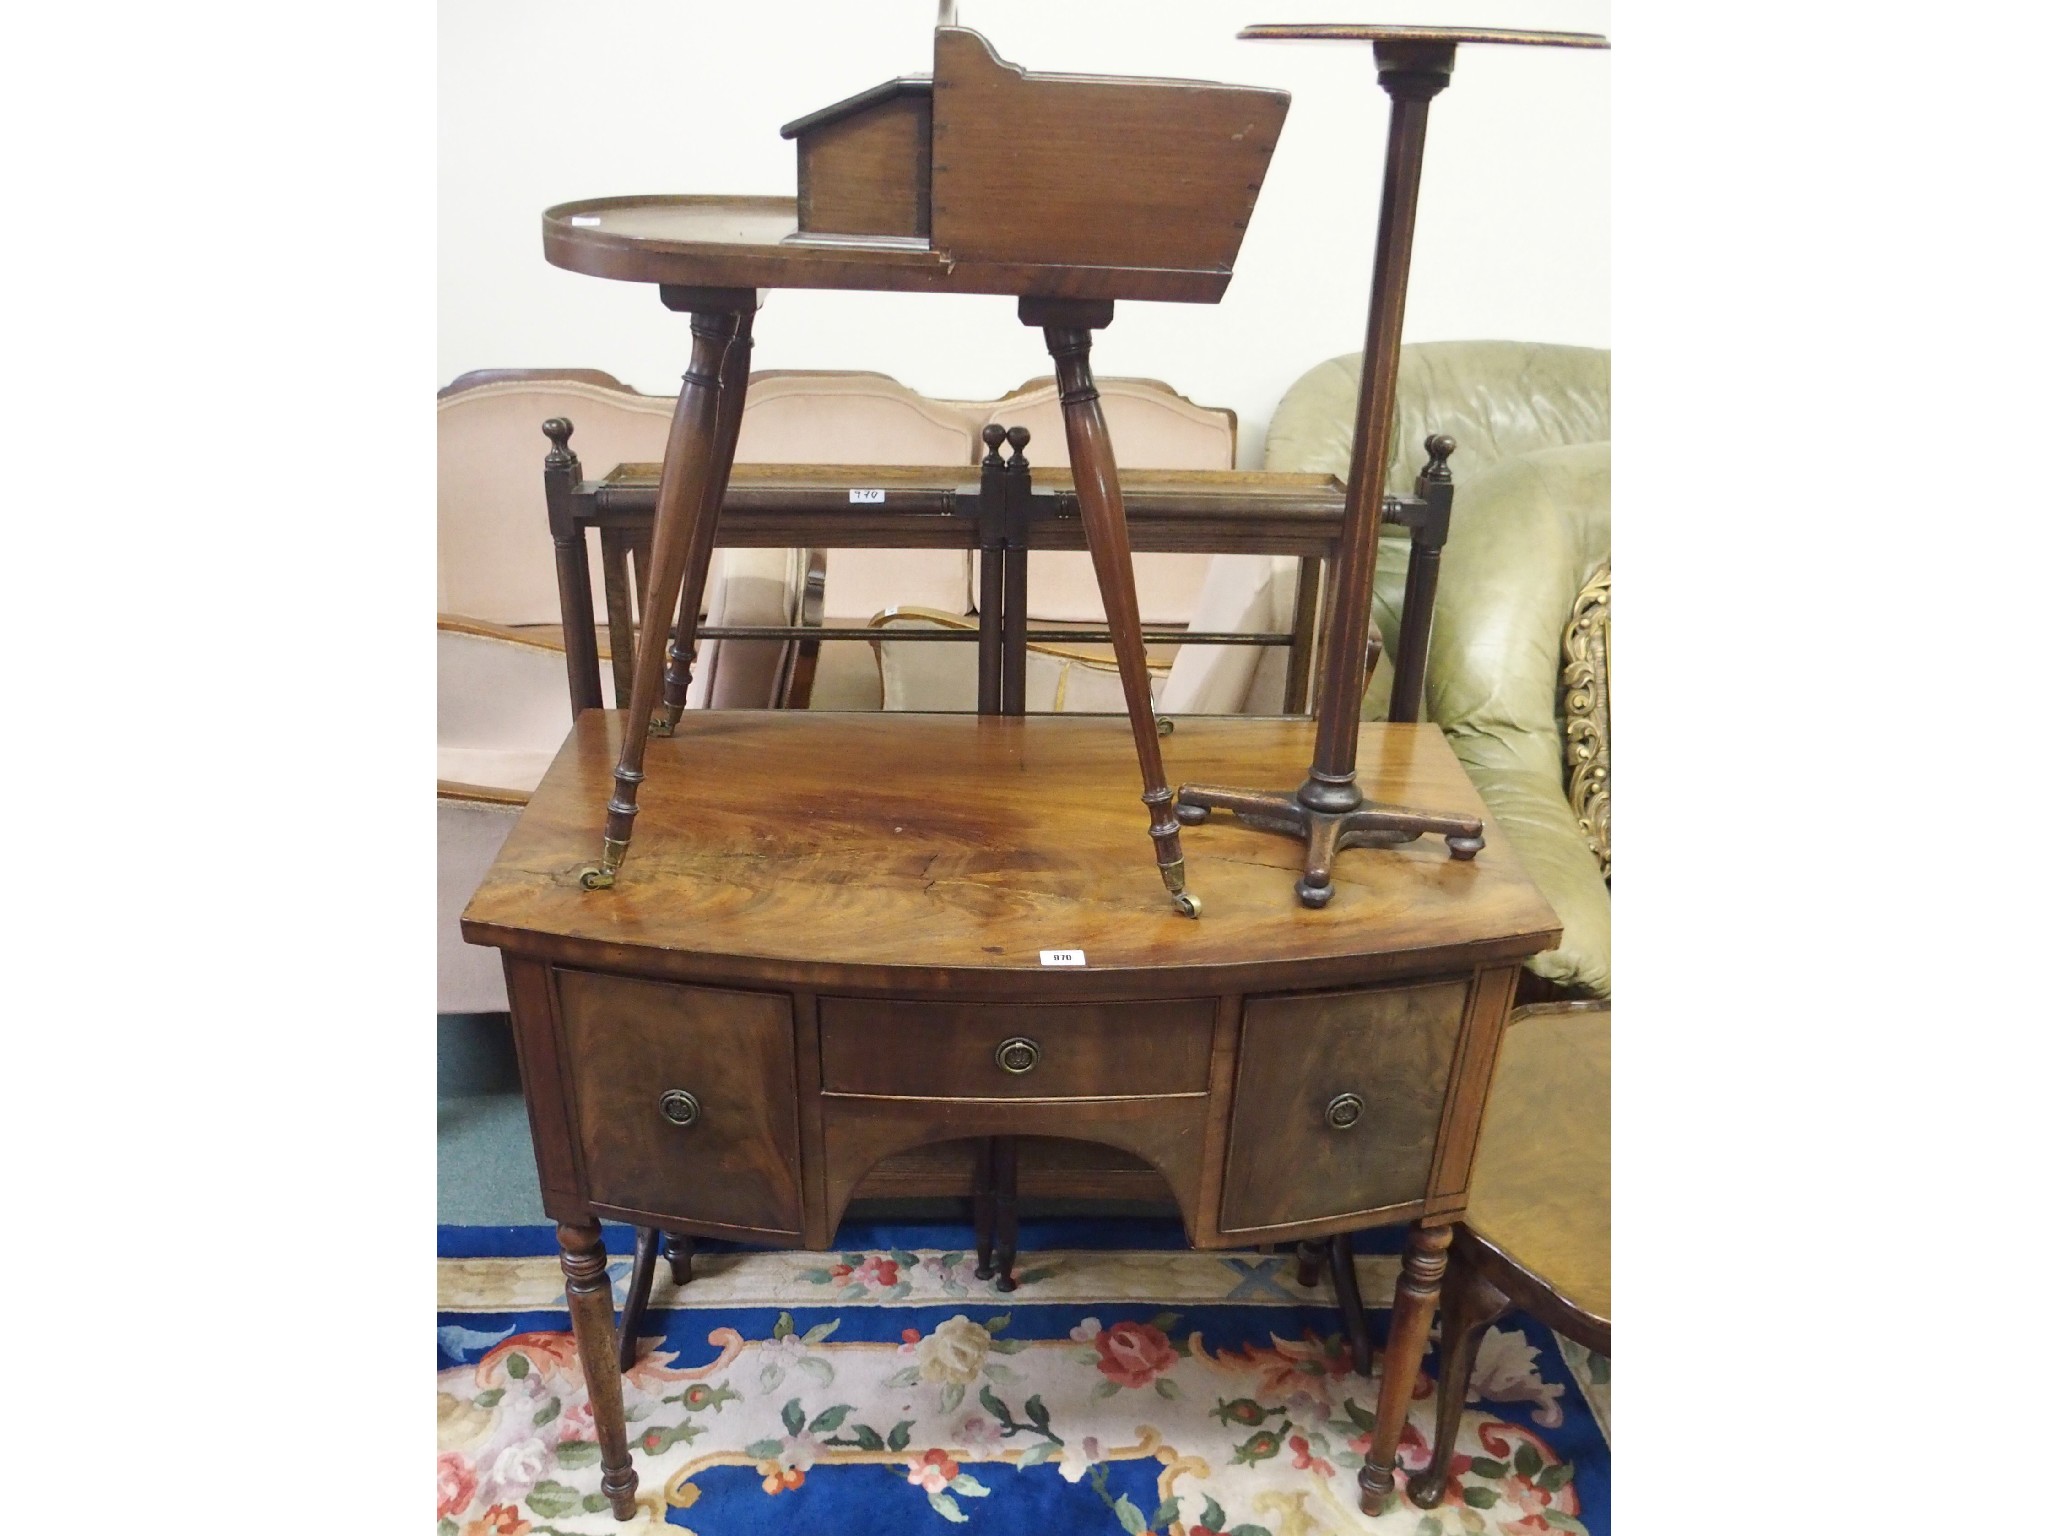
{"x": 558, "y": 429}
{"x": 992, "y": 439}
{"x": 1019, "y": 437}
{"x": 1439, "y": 446}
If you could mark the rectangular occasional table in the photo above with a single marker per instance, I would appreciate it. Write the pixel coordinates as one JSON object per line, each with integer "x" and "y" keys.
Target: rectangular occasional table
{"x": 844, "y": 936}
{"x": 1004, "y": 511}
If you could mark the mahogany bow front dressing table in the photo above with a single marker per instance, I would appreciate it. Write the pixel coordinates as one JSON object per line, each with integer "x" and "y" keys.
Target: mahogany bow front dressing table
{"x": 933, "y": 932}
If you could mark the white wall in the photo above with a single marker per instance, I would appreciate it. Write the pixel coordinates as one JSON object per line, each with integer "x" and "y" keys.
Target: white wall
{"x": 543, "y": 103}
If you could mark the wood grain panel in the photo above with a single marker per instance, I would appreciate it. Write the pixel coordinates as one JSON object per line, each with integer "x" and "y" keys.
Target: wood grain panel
{"x": 1166, "y": 1133}
{"x": 1088, "y": 170}
{"x": 1492, "y": 996}
{"x": 948, "y": 1050}
{"x": 630, "y": 1041}
{"x": 931, "y": 856}
{"x": 868, "y": 174}
{"x": 1392, "y": 1047}
{"x": 1048, "y": 1168}
{"x": 540, "y": 1075}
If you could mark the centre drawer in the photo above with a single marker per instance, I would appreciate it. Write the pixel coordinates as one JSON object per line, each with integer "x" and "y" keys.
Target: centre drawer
{"x": 1014, "y": 1051}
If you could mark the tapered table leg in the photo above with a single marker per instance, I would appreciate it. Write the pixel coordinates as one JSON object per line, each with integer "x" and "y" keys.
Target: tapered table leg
{"x": 1470, "y": 1303}
{"x": 687, "y": 477}
{"x": 1422, "y": 1271}
{"x": 682, "y": 1248}
{"x": 646, "y": 1244}
{"x": 590, "y": 1314}
{"x": 1308, "y": 1263}
{"x": 1067, "y": 338}
{"x": 985, "y": 1209}
{"x": 1003, "y": 1176}
{"x": 1344, "y": 1281}
{"x": 732, "y": 404}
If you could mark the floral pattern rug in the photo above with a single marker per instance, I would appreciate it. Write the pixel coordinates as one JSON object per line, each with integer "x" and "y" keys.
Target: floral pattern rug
{"x": 884, "y": 1389}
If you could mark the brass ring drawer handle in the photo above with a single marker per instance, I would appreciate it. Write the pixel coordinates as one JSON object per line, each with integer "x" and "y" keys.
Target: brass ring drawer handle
{"x": 679, "y": 1107}
{"x": 1345, "y": 1111}
{"x": 1017, "y": 1056}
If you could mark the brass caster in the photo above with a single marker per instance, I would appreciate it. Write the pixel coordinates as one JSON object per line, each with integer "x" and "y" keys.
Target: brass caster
{"x": 1191, "y": 815}
{"x": 1165, "y": 726}
{"x": 1465, "y": 847}
{"x": 596, "y": 877}
{"x": 1187, "y": 903}
{"x": 1317, "y": 896}
{"x": 660, "y": 728}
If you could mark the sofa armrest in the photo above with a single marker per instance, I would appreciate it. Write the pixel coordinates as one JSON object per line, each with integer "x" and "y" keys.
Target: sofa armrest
{"x": 1525, "y": 536}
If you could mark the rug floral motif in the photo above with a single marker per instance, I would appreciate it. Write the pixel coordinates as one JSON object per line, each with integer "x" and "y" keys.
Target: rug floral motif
{"x": 890, "y": 1391}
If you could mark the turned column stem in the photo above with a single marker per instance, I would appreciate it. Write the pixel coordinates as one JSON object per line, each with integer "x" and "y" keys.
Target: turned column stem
{"x": 1411, "y": 74}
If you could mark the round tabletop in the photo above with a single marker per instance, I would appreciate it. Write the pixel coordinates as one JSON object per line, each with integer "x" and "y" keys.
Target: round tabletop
{"x": 1372, "y": 32}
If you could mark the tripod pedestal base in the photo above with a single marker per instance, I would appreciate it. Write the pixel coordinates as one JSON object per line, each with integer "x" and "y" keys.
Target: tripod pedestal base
{"x": 1327, "y": 833}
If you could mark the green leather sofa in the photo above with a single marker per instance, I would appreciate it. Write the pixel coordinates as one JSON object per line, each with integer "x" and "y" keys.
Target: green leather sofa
{"x": 1529, "y": 536}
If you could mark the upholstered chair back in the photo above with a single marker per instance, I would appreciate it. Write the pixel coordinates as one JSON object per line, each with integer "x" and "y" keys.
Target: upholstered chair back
{"x": 1499, "y": 399}
{"x": 497, "y": 561}
{"x": 1150, "y": 427}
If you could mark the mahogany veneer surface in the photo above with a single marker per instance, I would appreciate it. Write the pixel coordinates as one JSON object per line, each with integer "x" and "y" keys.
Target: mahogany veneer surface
{"x": 869, "y": 851}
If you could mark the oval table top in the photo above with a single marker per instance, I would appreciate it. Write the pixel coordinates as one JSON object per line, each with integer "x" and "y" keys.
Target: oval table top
{"x": 944, "y": 853}
{"x": 752, "y": 242}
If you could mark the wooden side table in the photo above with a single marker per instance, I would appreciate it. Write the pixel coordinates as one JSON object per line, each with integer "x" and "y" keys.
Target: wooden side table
{"x": 1068, "y": 191}
{"x": 933, "y": 934}
{"x": 1329, "y": 810}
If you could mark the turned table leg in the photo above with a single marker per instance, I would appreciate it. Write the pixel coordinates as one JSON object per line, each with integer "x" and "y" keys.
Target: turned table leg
{"x": 590, "y": 1314}
{"x": 732, "y": 404}
{"x": 688, "y": 472}
{"x": 1470, "y": 1303}
{"x": 1422, "y": 1271}
{"x": 1067, "y": 337}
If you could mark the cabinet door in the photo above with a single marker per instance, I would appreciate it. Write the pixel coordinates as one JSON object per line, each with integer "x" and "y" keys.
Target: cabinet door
{"x": 685, "y": 1100}
{"x": 1339, "y": 1096}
